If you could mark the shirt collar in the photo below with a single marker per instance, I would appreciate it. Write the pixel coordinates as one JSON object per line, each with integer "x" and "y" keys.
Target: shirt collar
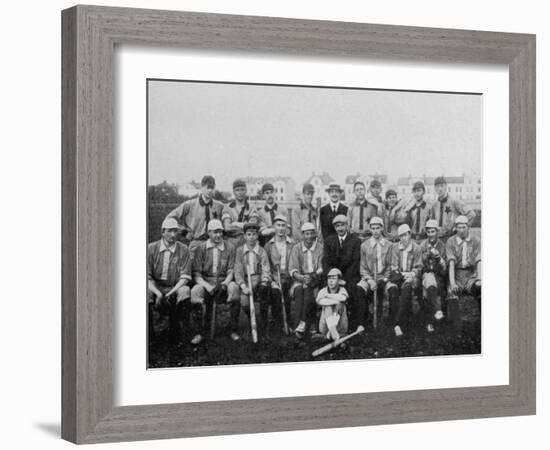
{"x": 220, "y": 246}
{"x": 363, "y": 203}
{"x": 444, "y": 198}
{"x": 381, "y": 241}
{"x": 333, "y": 205}
{"x": 163, "y": 247}
{"x": 203, "y": 203}
{"x": 343, "y": 238}
{"x": 409, "y": 247}
{"x": 304, "y": 206}
{"x": 287, "y": 240}
{"x": 459, "y": 239}
{"x": 273, "y": 208}
{"x": 312, "y": 248}
{"x": 233, "y": 204}
{"x": 422, "y": 205}
{"x": 255, "y": 249}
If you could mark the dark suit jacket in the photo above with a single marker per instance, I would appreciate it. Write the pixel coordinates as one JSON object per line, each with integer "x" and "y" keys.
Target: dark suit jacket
{"x": 347, "y": 258}
{"x": 325, "y": 217}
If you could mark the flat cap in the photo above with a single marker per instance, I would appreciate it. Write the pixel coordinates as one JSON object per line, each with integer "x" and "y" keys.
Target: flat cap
{"x": 390, "y": 192}
{"x": 214, "y": 224}
{"x": 279, "y": 218}
{"x": 376, "y": 221}
{"x": 169, "y": 223}
{"x": 375, "y": 183}
{"x": 239, "y": 182}
{"x": 403, "y": 229}
{"x": 440, "y": 180}
{"x": 308, "y": 187}
{"x": 432, "y": 224}
{"x": 419, "y": 185}
{"x": 267, "y": 187}
{"x": 340, "y": 218}
{"x": 208, "y": 180}
{"x": 334, "y": 272}
{"x": 250, "y": 226}
{"x": 461, "y": 219}
{"x": 334, "y": 187}
{"x": 308, "y": 226}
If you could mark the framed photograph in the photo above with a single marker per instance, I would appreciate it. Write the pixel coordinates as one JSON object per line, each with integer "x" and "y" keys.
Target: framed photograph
{"x": 248, "y": 200}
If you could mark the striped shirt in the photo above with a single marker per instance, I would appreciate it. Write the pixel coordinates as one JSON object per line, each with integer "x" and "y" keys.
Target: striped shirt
{"x": 255, "y": 258}
{"x": 303, "y": 214}
{"x": 446, "y": 210}
{"x": 466, "y": 253}
{"x": 305, "y": 260}
{"x": 375, "y": 255}
{"x": 278, "y": 254}
{"x": 168, "y": 265}
{"x": 406, "y": 259}
{"x": 195, "y": 214}
{"x": 212, "y": 260}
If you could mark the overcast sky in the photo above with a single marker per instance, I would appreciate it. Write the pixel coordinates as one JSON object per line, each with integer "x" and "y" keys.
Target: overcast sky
{"x": 238, "y": 130}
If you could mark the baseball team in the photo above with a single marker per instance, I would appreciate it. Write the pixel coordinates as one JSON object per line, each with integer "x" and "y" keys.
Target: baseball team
{"x": 314, "y": 272}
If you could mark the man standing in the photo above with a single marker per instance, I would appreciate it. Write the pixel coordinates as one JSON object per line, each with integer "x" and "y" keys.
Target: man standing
{"x": 252, "y": 259}
{"x": 377, "y": 207}
{"x": 357, "y": 212}
{"x": 406, "y": 266}
{"x": 305, "y": 212}
{"x": 434, "y": 270}
{"x": 195, "y": 214}
{"x": 168, "y": 276}
{"x": 305, "y": 268}
{"x": 278, "y": 252}
{"x": 392, "y": 219}
{"x": 464, "y": 259}
{"x": 418, "y": 212}
{"x": 333, "y": 208}
{"x": 374, "y": 269}
{"x": 446, "y": 209}
{"x": 343, "y": 251}
{"x": 267, "y": 214}
{"x": 213, "y": 273}
{"x": 236, "y": 213}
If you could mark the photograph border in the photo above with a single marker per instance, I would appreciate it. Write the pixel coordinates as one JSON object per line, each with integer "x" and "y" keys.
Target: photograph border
{"x": 89, "y": 37}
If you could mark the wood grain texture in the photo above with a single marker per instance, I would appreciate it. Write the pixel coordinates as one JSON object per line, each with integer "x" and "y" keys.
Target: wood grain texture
{"x": 89, "y": 36}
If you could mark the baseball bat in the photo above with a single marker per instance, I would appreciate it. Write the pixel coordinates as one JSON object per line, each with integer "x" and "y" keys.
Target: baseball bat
{"x": 253, "y": 327}
{"x": 285, "y": 323}
{"x": 375, "y": 299}
{"x": 335, "y": 343}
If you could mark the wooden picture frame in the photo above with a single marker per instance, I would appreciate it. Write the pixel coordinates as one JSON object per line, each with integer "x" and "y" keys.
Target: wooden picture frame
{"x": 89, "y": 37}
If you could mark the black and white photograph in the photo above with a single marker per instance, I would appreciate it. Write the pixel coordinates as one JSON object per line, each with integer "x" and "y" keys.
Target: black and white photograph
{"x": 292, "y": 223}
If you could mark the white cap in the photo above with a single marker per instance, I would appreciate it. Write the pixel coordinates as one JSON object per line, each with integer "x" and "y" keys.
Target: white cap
{"x": 170, "y": 222}
{"x": 279, "y": 218}
{"x": 403, "y": 229}
{"x": 432, "y": 224}
{"x": 340, "y": 218}
{"x": 376, "y": 221}
{"x": 214, "y": 225}
{"x": 461, "y": 219}
{"x": 334, "y": 272}
{"x": 308, "y": 226}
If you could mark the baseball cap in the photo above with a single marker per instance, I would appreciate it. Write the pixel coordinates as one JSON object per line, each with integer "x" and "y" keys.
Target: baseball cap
{"x": 340, "y": 218}
{"x": 214, "y": 225}
{"x": 403, "y": 229}
{"x": 170, "y": 222}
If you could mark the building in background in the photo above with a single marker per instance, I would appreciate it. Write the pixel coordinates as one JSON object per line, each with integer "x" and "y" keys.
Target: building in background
{"x": 464, "y": 187}
{"x": 190, "y": 189}
{"x": 285, "y": 188}
{"x": 321, "y": 183}
{"x": 351, "y": 179}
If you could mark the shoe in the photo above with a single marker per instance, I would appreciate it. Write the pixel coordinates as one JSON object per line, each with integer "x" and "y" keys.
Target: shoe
{"x": 397, "y": 330}
{"x": 438, "y": 315}
{"x": 430, "y": 328}
{"x": 197, "y": 339}
{"x": 301, "y": 327}
{"x": 234, "y": 337}
{"x": 360, "y": 328}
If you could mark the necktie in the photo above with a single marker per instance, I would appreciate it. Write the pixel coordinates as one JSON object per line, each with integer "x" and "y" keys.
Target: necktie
{"x": 418, "y": 220}
{"x": 241, "y": 214}
{"x": 207, "y": 216}
{"x": 361, "y": 216}
{"x": 309, "y": 215}
{"x": 441, "y": 212}
{"x": 334, "y": 209}
{"x": 272, "y": 215}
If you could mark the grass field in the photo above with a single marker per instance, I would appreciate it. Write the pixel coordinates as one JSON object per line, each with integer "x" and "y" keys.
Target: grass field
{"x": 169, "y": 350}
